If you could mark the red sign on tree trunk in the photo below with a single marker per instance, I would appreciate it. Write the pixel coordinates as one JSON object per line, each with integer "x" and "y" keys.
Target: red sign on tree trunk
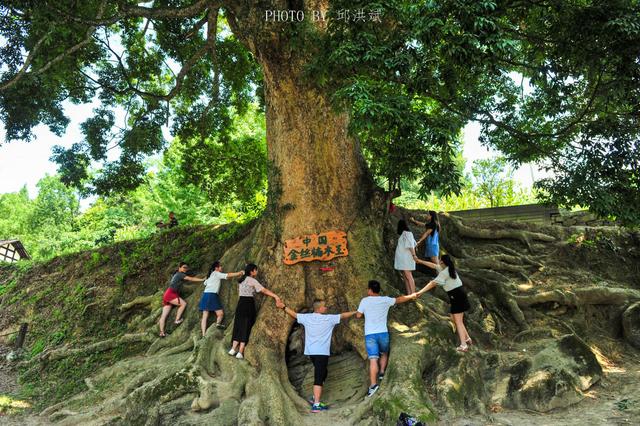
{"x": 323, "y": 246}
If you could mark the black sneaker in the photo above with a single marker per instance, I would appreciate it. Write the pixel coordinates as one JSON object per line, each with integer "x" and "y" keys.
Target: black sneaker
{"x": 380, "y": 376}
{"x": 373, "y": 389}
{"x": 219, "y": 326}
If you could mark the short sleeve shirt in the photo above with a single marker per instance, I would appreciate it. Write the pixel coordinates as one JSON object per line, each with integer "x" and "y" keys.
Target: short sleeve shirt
{"x": 317, "y": 332}
{"x": 375, "y": 310}
{"x": 248, "y": 287}
{"x": 177, "y": 280}
{"x": 446, "y": 282}
{"x": 407, "y": 240}
{"x": 212, "y": 284}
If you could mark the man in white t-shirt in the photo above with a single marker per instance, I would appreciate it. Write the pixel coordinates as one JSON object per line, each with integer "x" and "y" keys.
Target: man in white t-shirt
{"x": 375, "y": 308}
{"x": 318, "y": 328}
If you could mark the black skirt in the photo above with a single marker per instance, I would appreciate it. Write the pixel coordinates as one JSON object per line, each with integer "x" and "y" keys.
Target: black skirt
{"x": 244, "y": 319}
{"x": 458, "y": 300}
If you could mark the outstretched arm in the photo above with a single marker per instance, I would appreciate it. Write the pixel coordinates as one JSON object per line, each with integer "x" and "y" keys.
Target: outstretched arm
{"x": 406, "y": 298}
{"x": 269, "y": 293}
{"x": 347, "y": 315}
{"x": 417, "y": 222}
{"x": 235, "y": 274}
{"x": 427, "y": 287}
{"x": 426, "y": 263}
{"x": 280, "y": 304}
{"x": 425, "y": 234}
{"x": 196, "y": 279}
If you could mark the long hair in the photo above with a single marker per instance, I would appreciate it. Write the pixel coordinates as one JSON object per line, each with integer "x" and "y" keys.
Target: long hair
{"x": 402, "y": 226}
{"x": 214, "y": 265}
{"x": 434, "y": 223}
{"x": 247, "y": 271}
{"x": 447, "y": 260}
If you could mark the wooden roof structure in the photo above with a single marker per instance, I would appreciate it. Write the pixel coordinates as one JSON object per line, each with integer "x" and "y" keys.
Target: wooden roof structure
{"x": 12, "y": 251}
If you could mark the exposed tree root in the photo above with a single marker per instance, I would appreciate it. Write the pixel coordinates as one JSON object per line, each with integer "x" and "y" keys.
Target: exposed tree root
{"x": 498, "y": 234}
{"x": 490, "y": 283}
{"x": 581, "y": 296}
{"x": 142, "y": 300}
{"x": 186, "y": 379}
{"x": 105, "y": 345}
{"x": 501, "y": 262}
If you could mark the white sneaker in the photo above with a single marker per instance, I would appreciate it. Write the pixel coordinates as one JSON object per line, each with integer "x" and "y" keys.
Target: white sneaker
{"x": 373, "y": 389}
{"x": 232, "y": 352}
{"x": 239, "y": 355}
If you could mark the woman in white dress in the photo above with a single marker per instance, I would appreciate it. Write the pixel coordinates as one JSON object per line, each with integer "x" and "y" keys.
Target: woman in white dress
{"x": 405, "y": 259}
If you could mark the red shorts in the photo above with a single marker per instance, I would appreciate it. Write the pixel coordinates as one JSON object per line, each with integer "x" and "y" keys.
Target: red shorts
{"x": 169, "y": 295}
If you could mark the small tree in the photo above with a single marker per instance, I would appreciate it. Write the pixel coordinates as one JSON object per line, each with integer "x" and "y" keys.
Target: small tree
{"x": 493, "y": 180}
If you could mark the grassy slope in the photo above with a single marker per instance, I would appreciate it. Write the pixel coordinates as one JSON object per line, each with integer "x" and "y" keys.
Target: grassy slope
{"x": 74, "y": 300}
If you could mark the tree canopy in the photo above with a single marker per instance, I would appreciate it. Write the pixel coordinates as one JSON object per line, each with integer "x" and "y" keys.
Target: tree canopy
{"x": 555, "y": 82}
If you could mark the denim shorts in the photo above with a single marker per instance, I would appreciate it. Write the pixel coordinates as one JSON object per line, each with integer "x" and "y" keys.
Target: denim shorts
{"x": 377, "y": 343}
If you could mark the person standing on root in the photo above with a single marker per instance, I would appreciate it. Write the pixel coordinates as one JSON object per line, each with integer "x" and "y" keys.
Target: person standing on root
{"x": 431, "y": 237}
{"x": 449, "y": 279}
{"x": 405, "y": 256}
{"x": 318, "y": 328}
{"x": 375, "y": 309}
{"x": 172, "y": 297}
{"x": 210, "y": 302}
{"x": 245, "y": 317}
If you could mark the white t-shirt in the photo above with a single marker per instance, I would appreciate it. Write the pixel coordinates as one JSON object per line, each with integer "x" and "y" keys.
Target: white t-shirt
{"x": 403, "y": 260}
{"x": 444, "y": 279}
{"x": 317, "y": 332}
{"x": 375, "y": 310}
{"x": 212, "y": 284}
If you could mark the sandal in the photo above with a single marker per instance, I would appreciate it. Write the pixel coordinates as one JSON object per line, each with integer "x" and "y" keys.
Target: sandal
{"x": 462, "y": 348}
{"x": 468, "y": 342}
{"x": 162, "y": 335}
{"x": 178, "y": 322}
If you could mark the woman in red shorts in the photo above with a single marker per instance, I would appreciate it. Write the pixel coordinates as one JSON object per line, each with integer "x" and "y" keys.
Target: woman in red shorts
{"x": 172, "y": 297}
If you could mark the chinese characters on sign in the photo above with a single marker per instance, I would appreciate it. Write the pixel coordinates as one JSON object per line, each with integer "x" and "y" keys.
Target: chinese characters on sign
{"x": 323, "y": 246}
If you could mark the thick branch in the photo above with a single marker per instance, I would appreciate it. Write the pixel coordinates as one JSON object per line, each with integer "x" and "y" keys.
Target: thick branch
{"x": 168, "y": 12}
{"x": 52, "y": 62}
{"x": 141, "y": 12}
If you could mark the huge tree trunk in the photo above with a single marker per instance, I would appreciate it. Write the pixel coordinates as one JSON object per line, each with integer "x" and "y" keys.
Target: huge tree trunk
{"x": 318, "y": 182}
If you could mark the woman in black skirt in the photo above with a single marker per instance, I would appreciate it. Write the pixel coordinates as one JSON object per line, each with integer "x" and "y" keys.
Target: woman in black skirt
{"x": 449, "y": 279}
{"x": 245, "y": 316}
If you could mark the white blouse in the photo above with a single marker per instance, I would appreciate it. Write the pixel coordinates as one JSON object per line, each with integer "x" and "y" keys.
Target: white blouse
{"x": 404, "y": 259}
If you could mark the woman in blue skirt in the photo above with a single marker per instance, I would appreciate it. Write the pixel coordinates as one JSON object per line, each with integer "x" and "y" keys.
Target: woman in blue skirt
{"x": 431, "y": 237}
{"x": 210, "y": 302}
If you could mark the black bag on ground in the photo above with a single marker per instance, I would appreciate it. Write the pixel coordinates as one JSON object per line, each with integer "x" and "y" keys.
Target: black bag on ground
{"x": 407, "y": 420}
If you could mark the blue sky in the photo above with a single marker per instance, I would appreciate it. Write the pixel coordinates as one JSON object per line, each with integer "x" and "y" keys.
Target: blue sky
{"x": 24, "y": 163}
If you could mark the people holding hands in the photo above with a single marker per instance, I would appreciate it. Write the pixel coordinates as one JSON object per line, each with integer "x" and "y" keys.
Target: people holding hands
{"x": 318, "y": 328}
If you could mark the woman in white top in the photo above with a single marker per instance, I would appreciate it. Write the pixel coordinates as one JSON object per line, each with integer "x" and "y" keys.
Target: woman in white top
{"x": 245, "y": 316}
{"x": 405, "y": 258}
{"x": 450, "y": 281}
{"x": 210, "y": 302}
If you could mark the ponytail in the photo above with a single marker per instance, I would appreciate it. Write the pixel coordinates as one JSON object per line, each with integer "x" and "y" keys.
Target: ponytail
{"x": 247, "y": 271}
{"x": 447, "y": 260}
